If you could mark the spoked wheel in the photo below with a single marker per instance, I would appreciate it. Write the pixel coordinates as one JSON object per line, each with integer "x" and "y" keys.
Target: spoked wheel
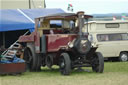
{"x": 31, "y": 58}
{"x": 98, "y": 63}
{"x": 123, "y": 56}
{"x": 65, "y": 64}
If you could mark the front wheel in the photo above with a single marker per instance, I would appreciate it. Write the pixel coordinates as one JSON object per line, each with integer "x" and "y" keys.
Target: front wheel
{"x": 65, "y": 64}
{"x": 98, "y": 63}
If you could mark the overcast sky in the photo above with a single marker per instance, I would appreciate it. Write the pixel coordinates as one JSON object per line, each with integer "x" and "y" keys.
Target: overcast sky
{"x": 91, "y": 6}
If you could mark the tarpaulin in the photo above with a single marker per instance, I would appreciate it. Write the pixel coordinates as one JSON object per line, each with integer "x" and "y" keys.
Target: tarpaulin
{"x": 21, "y": 19}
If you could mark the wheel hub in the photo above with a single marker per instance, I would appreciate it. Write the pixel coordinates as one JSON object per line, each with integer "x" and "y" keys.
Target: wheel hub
{"x": 124, "y": 57}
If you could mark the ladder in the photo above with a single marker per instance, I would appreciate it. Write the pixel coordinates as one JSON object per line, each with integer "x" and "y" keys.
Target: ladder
{"x": 12, "y": 50}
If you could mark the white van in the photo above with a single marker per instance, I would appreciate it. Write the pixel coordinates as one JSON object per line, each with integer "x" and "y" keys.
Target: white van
{"x": 111, "y": 37}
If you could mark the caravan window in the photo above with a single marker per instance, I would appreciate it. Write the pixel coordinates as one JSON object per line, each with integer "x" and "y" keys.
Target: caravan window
{"x": 102, "y": 37}
{"x": 112, "y": 25}
{"x": 112, "y": 37}
{"x": 124, "y": 36}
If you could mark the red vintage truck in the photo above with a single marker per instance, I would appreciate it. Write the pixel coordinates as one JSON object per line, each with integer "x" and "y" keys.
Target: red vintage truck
{"x": 64, "y": 45}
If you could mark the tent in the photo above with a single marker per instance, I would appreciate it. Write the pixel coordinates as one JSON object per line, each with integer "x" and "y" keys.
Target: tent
{"x": 20, "y": 19}
{"x": 14, "y": 20}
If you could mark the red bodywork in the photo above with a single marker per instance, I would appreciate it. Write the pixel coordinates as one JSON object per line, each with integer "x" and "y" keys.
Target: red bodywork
{"x": 58, "y": 41}
{"x": 54, "y": 42}
{"x": 32, "y": 38}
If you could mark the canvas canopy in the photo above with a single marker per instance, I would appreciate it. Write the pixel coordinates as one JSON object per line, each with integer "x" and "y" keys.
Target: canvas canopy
{"x": 21, "y": 19}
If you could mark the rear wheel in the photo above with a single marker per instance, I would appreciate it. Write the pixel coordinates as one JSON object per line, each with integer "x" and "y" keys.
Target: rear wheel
{"x": 65, "y": 64}
{"x": 39, "y": 63}
{"x": 98, "y": 63}
{"x": 31, "y": 58}
{"x": 49, "y": 61}
{"x": 123, "y": 56}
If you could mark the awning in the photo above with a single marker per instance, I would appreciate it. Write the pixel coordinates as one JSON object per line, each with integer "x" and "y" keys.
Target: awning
{"x": 21, "y": 19}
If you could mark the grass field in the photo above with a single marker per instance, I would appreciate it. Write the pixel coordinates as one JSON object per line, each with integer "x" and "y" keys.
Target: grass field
{"x": 115, "y": 73}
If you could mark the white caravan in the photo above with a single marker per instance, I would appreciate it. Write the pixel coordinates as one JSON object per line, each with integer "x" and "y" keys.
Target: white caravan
{"x": 111, "y": 37}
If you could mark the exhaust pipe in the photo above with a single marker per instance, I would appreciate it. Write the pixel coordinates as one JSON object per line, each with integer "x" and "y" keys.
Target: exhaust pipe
{"x": 80, "y": 22}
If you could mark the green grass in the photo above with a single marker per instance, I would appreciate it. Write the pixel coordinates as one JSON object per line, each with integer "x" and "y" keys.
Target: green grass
{"x": 115, "y": 73}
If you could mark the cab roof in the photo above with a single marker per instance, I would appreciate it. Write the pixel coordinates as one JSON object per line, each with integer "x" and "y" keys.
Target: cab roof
{"x": 63, "y": 16}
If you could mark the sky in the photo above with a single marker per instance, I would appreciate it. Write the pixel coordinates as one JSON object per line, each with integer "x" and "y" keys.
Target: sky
{"x": 91, "y": 6}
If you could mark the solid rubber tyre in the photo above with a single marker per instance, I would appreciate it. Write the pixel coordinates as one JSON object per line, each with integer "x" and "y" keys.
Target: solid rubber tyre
{"x": 98, "y": 63}
{"x": 30, "y": 57}
{"x": 65, "y": 64}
